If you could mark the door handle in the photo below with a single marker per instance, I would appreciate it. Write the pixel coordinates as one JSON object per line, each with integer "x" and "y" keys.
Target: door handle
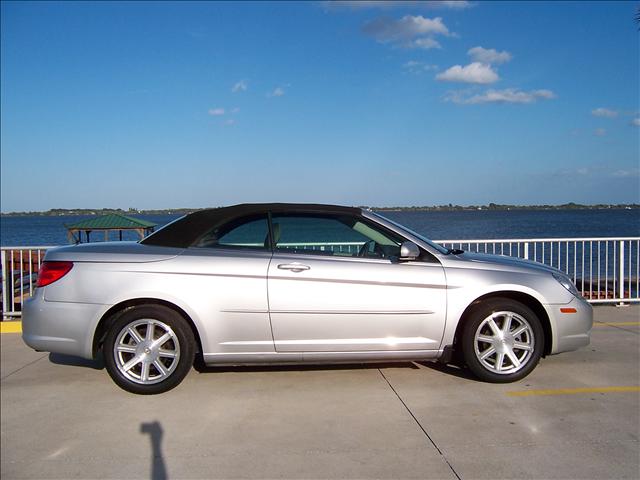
{"x": 294, "y": 267}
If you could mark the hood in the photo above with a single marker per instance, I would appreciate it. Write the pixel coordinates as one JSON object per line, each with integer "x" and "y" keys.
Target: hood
{"x": 126, "y": 252}
{"x": 498, "y": 262}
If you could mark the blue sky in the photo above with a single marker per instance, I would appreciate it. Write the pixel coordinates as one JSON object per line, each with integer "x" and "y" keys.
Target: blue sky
{"x": 162, "y": 105}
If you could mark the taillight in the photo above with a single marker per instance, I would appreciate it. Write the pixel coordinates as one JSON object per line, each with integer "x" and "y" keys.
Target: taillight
{"x": 52, "y": 271}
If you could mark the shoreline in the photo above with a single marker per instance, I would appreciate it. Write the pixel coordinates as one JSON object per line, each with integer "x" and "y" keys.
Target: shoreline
{"x": 61, "y": 212}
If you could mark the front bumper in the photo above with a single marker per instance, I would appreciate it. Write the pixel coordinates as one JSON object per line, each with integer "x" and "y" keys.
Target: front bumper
{"x": 60, "y": 327}
{"x": 571, "y": 330}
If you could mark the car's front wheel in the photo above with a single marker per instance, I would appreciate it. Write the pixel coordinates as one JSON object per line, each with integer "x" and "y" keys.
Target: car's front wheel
{"x": 502, "y": 341}
{"x": 149, "y": 349}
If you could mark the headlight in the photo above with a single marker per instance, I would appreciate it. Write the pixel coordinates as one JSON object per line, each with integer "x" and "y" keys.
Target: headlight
{"x": 566, "y": 283}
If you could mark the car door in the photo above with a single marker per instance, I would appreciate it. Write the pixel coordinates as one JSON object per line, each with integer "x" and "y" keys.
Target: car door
{"x": 335, "y": 284}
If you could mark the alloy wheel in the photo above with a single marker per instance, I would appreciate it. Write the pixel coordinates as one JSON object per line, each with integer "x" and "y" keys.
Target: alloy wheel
{"x": 504, "y": 342}
{"x": 146, "y": 351}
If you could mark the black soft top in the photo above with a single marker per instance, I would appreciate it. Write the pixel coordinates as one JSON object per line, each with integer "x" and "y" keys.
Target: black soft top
{"x": 183, "y": 232}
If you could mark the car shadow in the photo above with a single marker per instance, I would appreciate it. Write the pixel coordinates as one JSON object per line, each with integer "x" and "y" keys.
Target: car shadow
{"x": 61, "y": 359}
{"x": 200, "y": 367}
{"x": 450, "y": 369}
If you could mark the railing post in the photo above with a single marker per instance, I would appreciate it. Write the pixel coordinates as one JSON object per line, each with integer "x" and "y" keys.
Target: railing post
{"x": 621, "y": 273}
{"x": 5, "y": 286}
{"x": 526, "y": 250}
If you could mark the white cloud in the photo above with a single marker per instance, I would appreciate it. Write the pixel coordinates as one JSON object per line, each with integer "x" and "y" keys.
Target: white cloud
{"x": 410, "y": 31}
{"x": 633, "y": 172}
{"x": 277, "y": 92}
{"x": 489, "y": 55}
{"x": 604, "y": 112}
{"x": 475, "y": 72}
{"x": 599, "y": 171}
{"x": 224, "y": 114}
{"x": 385, "y": 4}
{"x": 425, "y": 43}
{"x": 409, "y": 26}
{"x": 240, "y": 86}
{"x": 547, "y": 94}
{"x": 453, "y": 4}
{"x": 599, "y": 132}
{"x": 635, "y": 122}
{"x": 414, "y": 66}
{"x": 508, "y": 95}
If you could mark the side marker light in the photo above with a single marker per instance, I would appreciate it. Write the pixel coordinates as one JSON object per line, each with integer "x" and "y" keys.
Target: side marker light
{"x": 568, "y": 310}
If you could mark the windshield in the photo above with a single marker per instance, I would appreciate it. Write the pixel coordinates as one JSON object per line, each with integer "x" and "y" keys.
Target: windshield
{"x": 439, "y": 248}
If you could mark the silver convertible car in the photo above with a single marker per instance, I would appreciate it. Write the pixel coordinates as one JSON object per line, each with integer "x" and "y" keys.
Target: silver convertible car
{"x": 294, "y": 283}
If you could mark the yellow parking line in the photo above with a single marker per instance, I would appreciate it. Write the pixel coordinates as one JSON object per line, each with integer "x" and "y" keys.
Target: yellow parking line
{"x": 616, "y": 324}
{"x": 11, "y": 327}
{"x": 572, "y": 391}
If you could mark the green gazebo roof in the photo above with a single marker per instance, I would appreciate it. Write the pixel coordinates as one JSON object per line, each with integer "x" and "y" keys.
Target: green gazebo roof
{"x": 113, "y": 221}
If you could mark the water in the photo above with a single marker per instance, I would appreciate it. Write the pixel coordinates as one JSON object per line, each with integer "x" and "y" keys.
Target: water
{"x": 482, "y": 224}
{"x": 47, "y": 231}
{"x": 490, "y": 224}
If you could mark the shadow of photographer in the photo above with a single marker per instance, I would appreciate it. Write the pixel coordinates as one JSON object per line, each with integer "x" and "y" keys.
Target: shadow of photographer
{"x": 158, "y": 468}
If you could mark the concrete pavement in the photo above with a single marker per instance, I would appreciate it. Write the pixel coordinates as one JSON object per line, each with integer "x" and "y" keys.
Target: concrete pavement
{"x": 63, "y": 418}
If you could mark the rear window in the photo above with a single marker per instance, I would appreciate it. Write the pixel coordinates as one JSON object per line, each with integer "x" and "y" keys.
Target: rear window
{"x": 244, "y": 233}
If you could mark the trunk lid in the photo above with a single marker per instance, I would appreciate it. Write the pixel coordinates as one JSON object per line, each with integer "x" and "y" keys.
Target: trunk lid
{"x": 112, "y": 252}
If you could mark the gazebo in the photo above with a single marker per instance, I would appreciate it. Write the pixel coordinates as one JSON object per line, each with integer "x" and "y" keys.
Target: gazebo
{"x": 108, "y": 223}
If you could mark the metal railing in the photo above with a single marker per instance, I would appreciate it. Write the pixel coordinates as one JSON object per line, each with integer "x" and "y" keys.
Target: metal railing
{"x": 19, "y": 267}
{"x": 351, "y": 248}
{"x": 605, "y": 270}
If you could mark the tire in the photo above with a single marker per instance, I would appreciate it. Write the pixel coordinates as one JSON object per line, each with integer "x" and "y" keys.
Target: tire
{"x": 502, "y": 341}
{"x": 149, "y": 349}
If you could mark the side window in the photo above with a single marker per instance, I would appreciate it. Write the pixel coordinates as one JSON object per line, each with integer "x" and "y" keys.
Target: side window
{"x": 332, "y": 235}
{"x": 244, "y": 233}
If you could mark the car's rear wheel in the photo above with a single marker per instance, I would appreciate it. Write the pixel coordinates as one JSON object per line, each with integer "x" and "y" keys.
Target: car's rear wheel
{"x": 149, "y": 349}
{"x": 502, "y": 341}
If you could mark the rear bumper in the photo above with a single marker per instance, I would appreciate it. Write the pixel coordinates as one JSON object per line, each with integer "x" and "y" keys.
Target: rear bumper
{"x": 571, "y": 330}
{"x": 60, "y": 327}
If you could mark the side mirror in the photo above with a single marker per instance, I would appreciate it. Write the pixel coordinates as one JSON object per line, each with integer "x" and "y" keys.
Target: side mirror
{"x": 409, "y": 251}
